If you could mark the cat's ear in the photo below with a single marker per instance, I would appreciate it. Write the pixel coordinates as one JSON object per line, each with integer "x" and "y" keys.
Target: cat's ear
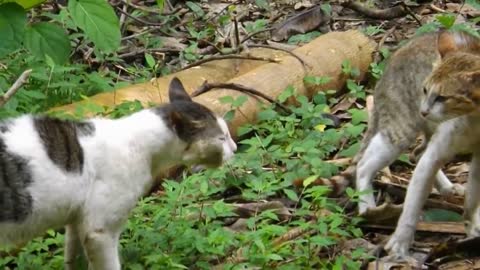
{"x": 446, "y": 43}
{"x": 176, "y": 91}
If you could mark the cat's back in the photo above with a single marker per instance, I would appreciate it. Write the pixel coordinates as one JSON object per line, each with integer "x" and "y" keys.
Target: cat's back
{"x": 41, "y": 164}
{"x": 407, "y": 68}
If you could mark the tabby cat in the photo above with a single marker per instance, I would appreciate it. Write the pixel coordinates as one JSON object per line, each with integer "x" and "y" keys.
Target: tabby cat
{"x": 396, "y": 121}
{"x": 88, "y": 175}
{"x": 453, "y": 100}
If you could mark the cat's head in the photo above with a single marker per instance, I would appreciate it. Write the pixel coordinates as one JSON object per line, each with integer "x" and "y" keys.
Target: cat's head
{"x": 205, "y": 135}
{"x": 453, "y": 87}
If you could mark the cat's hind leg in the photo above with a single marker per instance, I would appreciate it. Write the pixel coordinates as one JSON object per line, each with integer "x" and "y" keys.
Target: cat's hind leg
{"x": 379, "y": 153}
{"x": 472, "y": 199}
{"x": 445, "y": 187}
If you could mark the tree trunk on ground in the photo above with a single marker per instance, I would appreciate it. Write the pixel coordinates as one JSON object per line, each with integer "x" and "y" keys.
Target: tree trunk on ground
{"x": 324, "y": 57}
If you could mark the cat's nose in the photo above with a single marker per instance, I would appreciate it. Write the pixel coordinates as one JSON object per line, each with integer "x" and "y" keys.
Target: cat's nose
{"x": 424, "y": 113}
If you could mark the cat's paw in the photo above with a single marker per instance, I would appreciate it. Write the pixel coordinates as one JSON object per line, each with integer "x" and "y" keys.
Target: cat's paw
{"x": 398, "y": 245}
{"x": 454, "y": 190}
{"x": 472, "y": 227}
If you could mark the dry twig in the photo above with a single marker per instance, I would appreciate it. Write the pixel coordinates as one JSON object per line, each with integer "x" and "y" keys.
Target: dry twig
{"x": 205, "y": 87}
{"x": 382, "y": 14}
{"x": 14, "y": 88}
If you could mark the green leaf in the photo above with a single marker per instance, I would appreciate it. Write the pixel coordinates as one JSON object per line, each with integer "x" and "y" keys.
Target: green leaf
{"x": 350, "y": 151}
{"x": 473, "y": 3}
{"x": 12, "y": 27}
{"x": 26, "y": 4}
{"x": 316, "y": 80}
{"x": 226, "y": 99}
{"x": 48, "y": 39}
{"x": 228, "y": 116}
{"x": 309, "y": 180}
{"x": 195, "y": 8}
{"x": 275, "y": 257}
{"x": 292, "y": 195}
{"x": 239, "y": 101}
{"x": 262, "y": 4}
{"x": 268, "y": 114}
{"x": 442, "y": 215}
{"x": 160, "y": 4}
{"x": 326, "y": 8}
{"x": 150, "y": 60}
{"x": 358, "y": 116}
{"x": 35, "y": 94}
{"x": 204, "y": 187}
{"x": 99, "y": 22}
{"x": 288, "y": 92}
{"x": 447, "y": 20}
{"x": 427, "y": 28}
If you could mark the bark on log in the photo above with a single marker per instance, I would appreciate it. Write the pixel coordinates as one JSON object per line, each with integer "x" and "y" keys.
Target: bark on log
{"x": 155, "y": 92}
{"x": 324, "y": 56}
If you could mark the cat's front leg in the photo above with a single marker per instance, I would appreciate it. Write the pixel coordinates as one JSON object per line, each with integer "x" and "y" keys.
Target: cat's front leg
{"x": 101, "y": 249}
{"x": 472, "y": 198}
{"x": 72, "y": 246}
{"x": 419, "y": 188}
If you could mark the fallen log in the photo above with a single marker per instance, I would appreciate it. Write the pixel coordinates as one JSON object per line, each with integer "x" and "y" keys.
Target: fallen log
{"x": 154, "y": 91}
{"x": 324, "y": 57}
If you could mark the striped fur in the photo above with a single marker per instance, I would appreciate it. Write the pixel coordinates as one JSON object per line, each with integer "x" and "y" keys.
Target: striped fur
{"x": 396, "y": 121}
{"x": 451, "y": 100}
{"x": 88, "y": 175}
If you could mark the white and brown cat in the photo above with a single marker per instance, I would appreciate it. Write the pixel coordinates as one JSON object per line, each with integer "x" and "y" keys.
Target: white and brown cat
{"x": 453, "y": 100}
{"x": 396, "y": 120}
{"x": 88, "y": 175}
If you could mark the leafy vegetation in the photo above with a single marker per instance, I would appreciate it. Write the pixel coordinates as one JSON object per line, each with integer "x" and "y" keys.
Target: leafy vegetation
{"x": 75, "y": 52}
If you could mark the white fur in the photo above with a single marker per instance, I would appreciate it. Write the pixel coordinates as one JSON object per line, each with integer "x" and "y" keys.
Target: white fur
{"x": 379, "y": 153}
{"x": 229, "y": 146}
{"x": 121, "y": 160}
{"x": 459, "y": 135}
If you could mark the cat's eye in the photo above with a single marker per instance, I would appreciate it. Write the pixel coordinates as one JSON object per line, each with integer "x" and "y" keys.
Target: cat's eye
{"x": 222, "y": 139}
{"x": 440, "y": 99}
{"x": 425, "y": 90}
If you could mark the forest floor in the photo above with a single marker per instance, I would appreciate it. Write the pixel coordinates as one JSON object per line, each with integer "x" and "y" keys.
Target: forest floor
{"x": 268, "y": 218}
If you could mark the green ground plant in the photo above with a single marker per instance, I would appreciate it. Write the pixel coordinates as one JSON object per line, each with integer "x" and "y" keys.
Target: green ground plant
{"x": 184, "y": 228}
{"x": 186, "y": 224}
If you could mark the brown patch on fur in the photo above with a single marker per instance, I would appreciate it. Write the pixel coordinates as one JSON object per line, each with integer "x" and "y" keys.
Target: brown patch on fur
{"x": 457, "y": 80}
{"x": 454, "y": 41}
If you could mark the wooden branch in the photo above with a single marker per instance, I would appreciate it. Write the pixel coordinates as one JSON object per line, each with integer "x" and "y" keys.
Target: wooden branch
{"x": 205, "y": 87}
{"x": 382, "y": 14}
{"x": 139, "y": 20}
{"x": 16, "y": 85}
{"x": 249, "y": 36}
